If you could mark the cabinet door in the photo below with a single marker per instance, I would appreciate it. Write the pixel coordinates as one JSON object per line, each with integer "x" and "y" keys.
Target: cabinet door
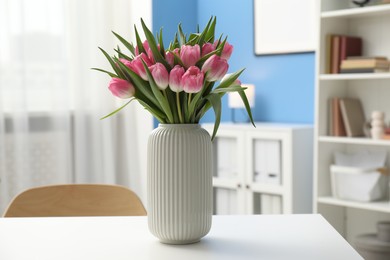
{"x": 226, "y": 157}
{"x": 266, "y": 157}
{"x": 264, "y": 202}
{"x": 267, "y": 161}
{"x": 267, "y": 172}
{"x": 270, "y": 203}
{"x": 226, "y": 201}
{"x": 228, "y": 172}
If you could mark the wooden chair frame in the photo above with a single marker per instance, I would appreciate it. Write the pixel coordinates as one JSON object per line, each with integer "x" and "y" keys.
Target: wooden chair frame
{"x": 76, "y": 200}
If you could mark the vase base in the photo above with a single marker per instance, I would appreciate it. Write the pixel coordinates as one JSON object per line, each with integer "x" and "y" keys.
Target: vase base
{"x": 179, "y": 242}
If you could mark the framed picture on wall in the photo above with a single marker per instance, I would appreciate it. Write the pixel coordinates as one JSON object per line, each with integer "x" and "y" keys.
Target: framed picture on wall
{"x": 284, "y": 26}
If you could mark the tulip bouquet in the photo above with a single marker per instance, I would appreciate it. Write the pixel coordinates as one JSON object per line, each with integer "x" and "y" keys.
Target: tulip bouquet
{"x": 176, "y": 85}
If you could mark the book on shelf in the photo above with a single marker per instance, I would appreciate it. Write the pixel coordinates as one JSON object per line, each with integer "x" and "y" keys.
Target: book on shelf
{"x": 360, "y": 64}
{"x": 350, "y": 46}
{"x": 343, "y": 46}
{"x": 366, "y": 58}
{"x": 335, "y": 57}
{"x": 328, "y": 53}
{"x": 364, "y": 70}
{"x": 353, "y": 116}
{"x": 336, "y": 122}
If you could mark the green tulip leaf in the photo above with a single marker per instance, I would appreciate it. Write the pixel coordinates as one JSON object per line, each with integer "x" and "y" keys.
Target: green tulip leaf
{"x": 159, "y": 96}
{"x": 128, "y": 45}
{"x": 182, "y": 36}
{"x": 113, "y": 64}
{"x": 153, "y": 46}
{"x": 228, "y": 89}
{"x": 112, "y": 75}
{"x": 117, "y": 110}
{"x": 157, "y": 114}
{"x": 211, "y": 31}
{"x": 247, "y": 107}
{"x": 215, "y": 101}
{"x": 139, "y": 42}
{"x": 122, "y": 55}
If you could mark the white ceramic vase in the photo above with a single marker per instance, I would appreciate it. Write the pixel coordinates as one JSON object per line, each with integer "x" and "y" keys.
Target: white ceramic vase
{"x": 179, "y": 183}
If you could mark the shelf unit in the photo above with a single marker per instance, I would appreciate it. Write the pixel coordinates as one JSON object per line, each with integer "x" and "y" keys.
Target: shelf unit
{"x": 244, "y": 159}
{"x": 371, "y": 23}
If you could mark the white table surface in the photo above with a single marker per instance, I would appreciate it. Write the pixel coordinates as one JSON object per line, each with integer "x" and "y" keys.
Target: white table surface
{"x": 116, "y": 238}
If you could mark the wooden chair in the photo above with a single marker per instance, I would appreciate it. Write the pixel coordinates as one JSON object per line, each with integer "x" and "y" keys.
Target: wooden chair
{"x": 76, "y": 200}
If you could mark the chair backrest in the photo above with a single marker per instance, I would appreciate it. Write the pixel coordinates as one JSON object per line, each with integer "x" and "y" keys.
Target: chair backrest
{"x": 76, "y": 200}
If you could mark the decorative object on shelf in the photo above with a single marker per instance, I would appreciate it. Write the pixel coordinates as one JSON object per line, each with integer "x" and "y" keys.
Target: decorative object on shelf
{"x": 176, "y": 85}
{"x": 360, "y": 3}
{"x": 235, "y": 102}
{"x": 377, "y": 124}
{"x": 375, "y": 246}
{"x": 361, "y": 176}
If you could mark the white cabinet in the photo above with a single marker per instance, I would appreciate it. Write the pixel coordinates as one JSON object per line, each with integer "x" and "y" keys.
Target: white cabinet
{"x": 372, "y": 24}
{"x": 262, "y": 170}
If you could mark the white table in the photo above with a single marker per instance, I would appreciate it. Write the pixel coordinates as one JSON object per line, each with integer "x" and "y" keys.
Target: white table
{"x": 116, "y": 238}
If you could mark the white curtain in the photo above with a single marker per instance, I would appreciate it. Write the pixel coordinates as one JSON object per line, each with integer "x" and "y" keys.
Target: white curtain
{"x": 51, "y": 100}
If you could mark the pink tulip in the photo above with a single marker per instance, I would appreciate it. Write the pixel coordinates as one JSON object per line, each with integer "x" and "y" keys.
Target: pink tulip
{"x": 189, "y": 55}
{"x": 176, "y": 51}
{"x": 121, "y": 88}
{"x": 175, "y": 78}
{"x": 207, "y": 48}
{"x": 170, "y": 58}
{"x": 160, "y": 75}
{"x": 227, "y": 50}
{"x": 148, "y": 51}
{"x": 216, "y": 67}
{"x": 138, "y": 66}
{"x": 237, "y": 82}
{"x": 192, "y": 80}
{"x": 126, "y": 62}
{"x": 151, "y": 57}
{"x": 145, "y": 44}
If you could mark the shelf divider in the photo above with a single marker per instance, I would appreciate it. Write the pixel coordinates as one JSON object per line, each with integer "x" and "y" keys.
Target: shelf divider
{"x": 355, "y": 76}
{"x": 357, "y": 12}
{"x": 380, "y": 206}
{"x": 352, "y": 140}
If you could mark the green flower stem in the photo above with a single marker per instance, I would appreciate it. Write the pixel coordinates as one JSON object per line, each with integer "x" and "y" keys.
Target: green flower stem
{"x": 178, "y": 107}
{"x": 165, "y": 94}
{"x": 166, "y": 97}
{"x": 189, "y": 99}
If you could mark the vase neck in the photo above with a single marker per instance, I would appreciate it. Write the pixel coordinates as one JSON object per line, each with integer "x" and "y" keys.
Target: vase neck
{"x": 188, "y": 126}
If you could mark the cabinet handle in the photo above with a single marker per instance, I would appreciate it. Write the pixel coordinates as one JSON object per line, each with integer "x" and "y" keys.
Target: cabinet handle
{"x": 239, "y": 185}
{"x": 248, "y": 187}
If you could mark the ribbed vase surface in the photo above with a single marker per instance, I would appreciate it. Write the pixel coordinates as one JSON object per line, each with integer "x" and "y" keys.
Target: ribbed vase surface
{"x": 179, "y": 183}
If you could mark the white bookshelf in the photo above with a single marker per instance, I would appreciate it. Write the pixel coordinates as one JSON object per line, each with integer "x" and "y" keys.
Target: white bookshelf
{"x": 371, "y": 23}
{"x": 243, "y": 155}
{"x": 357, "y": 76}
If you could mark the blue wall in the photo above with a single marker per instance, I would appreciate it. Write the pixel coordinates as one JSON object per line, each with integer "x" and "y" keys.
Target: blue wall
{"x": 167, "y": 14}
{"x": 284, "y": 83}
